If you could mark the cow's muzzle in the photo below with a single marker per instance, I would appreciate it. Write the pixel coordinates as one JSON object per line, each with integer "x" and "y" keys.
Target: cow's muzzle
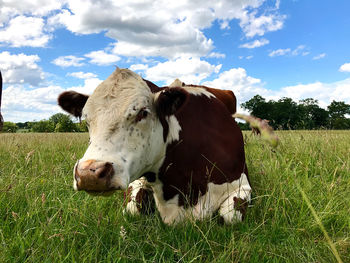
{"x": 94, "y": 176}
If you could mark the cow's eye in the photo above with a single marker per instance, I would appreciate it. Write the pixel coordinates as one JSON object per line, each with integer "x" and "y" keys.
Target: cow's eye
{"x": 142, "y": 114}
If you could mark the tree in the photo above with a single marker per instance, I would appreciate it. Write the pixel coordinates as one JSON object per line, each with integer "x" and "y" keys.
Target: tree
{"x": 311, "y": 115}
{"x": 9, "y": 127}
{"x": 285, "y": 114}
{"x": 42, "y": 126}
{"x": 23, "y": 125}
{"x": 337, "y": 111}
{"x": 82, "y": 126}
{"x": 258, "y": 107}
{"x": 63, "y": 123}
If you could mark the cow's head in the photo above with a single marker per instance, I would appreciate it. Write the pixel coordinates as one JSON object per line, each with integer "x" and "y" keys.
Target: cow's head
{"x": 129, "y": 128}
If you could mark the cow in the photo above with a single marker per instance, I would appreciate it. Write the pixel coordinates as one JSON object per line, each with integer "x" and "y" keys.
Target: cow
{"x": 177, "y": 146}
{"x": 1, "y": 119}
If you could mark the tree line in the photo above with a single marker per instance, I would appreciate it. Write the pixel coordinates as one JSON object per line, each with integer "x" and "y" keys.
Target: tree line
{"x": 283, "y": 114}
{"x": 286, "y": 114}
{"x": 56, "y": 123}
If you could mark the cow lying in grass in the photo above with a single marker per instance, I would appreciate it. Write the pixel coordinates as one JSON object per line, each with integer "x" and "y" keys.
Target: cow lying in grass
{"x": 179, "y": 145}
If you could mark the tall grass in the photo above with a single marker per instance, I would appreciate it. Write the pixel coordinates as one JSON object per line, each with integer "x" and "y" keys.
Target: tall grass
{"x": 43, "y": 220}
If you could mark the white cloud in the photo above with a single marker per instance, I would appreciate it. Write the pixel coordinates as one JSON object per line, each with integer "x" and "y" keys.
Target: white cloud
{"x": 102, "y": 58}
{"x": 188, "y": 70}
{"x": 320, "y": 56}
{"x": 255, "y": 43}
{"x": 141, "y": 28}
{"x": 224, "y": 24}
{"x": 21, "y": 104}
{"x": 323, "y": 92}
{"x": 299, "y": 50}
{"x": 89, "y": 86}
{"x": 216, "y": 55}
{"x": 68, "y": 61}
{"x": 164, "y": 28}
{"x": 345, "y": 67}
{"x": 25, "y": 31}
{"x": 35, "y": 7}
{"x": 168, "y": 50}
{"x": 279, "y": 52}
{"x": 245, "y": 87}
{"x": 20, "y": 68}
{"x": 82, "y": 75}
{"x": 253, "y": 25}
{"x": 137, "y": 67}
{"x": 237, "y": 80}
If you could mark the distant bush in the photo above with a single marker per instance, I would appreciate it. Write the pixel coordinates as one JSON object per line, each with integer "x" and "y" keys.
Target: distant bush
{"x": 9, "y": 127}
{"x": 42, "y": 126}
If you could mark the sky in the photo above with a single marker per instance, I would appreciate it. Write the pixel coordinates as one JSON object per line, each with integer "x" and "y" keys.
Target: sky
{"x": 283, "y": 48}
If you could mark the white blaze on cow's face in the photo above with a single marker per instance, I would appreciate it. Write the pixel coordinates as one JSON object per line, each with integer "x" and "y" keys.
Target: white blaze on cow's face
{"x": 124, "y": 129}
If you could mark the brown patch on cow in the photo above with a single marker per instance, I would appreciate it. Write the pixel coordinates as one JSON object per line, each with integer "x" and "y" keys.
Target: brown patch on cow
{"x": 240, "y": 205}
{"x": 210, "y": 141}
{"x": 145, "y": 201}
{"x": 127, "y": 195}
{"x": 153, "y": 87}
{"x": 72, "y": 102}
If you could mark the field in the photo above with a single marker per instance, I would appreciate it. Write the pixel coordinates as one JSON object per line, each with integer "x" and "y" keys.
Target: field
{"x": 300, "y": 210}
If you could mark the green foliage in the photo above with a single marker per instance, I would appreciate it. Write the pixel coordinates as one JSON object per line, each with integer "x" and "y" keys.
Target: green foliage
{"x": 42, "y": 126}
{"x": 82, "y": 126}
{"x": 285, "y": 114}
{"x": 43, "y": 220}
{"x": 337, "y": 111}
{"x": 9, "y": 127}
{"x": 56, "y": 123}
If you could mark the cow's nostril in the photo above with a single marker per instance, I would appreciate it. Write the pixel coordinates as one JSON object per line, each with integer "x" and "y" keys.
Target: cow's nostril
{"x": 106, "y": 171}
{"x": 93, "y": 170}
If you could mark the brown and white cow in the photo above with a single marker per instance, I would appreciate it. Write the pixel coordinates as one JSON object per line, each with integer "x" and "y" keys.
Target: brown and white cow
{"x": 177, "y": 143}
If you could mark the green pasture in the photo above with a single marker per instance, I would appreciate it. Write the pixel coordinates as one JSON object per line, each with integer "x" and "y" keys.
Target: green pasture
{"x": 300, "y": 210}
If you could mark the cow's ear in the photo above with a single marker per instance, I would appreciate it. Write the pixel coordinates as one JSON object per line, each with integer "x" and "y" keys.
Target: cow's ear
{"x": 72, "y": 102}
{"x": 170, "y": 101}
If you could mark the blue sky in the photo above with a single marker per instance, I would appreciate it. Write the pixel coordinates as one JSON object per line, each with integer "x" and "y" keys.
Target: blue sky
{"x": 297, "y": 49}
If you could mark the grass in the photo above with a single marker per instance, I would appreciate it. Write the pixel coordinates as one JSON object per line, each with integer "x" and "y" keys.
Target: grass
{"x": 301, "y": 189}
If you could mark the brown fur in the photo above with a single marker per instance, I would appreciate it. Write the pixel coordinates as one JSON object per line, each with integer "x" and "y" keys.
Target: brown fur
{"x": 210, "y": 149}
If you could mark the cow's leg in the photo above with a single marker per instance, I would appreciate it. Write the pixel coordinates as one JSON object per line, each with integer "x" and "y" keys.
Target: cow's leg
{"x": 234, "y": 208}
{"x": 139, "y": 198}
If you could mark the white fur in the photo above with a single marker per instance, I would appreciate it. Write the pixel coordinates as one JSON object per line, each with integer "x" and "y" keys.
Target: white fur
{"x": 176, "y": 83}
{"x": 218, "y": 197}
{"x": 136, "y": 186}
{"x": 197, "y": 90}
{"x": 174, "y": 129}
